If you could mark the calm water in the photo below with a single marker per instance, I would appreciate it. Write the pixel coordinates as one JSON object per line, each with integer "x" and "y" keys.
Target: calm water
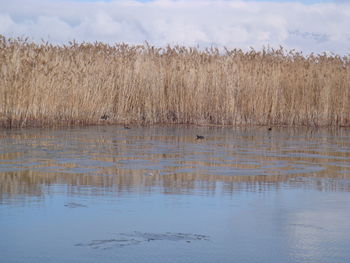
{"x": 156, "y": 194}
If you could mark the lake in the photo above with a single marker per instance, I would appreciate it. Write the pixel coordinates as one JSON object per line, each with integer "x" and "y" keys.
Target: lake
{"x": 159, "y": 194}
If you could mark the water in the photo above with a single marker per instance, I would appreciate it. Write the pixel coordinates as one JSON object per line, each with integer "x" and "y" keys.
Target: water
{"x": 156, "y": 194}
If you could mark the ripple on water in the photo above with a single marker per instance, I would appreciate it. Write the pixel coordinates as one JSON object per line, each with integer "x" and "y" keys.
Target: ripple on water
{"x": 250, "y": 195}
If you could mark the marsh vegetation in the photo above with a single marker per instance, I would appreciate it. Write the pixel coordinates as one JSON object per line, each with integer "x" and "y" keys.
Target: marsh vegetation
{"x": 91, "y": 83}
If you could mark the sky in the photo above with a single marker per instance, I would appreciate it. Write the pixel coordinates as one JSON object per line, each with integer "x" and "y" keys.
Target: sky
{"x": 306, "y": 25}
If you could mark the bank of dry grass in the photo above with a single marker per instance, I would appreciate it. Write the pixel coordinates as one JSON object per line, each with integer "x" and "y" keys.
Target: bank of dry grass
{"x": 43, "y": 84}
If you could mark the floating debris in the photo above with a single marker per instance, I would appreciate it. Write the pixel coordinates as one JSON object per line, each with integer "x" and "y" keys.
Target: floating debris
{"x": 307, "y": 226}
{"x": 165, "y": 236}
{"x": 109, "y": 243}
{"x": 74, "y": 205}
{"x": 136, "y": 237}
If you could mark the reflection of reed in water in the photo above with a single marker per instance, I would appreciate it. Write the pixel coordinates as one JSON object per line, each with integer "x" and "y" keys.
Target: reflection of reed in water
{"x": 33, "y": 183}
{"x": 171, "y": 160}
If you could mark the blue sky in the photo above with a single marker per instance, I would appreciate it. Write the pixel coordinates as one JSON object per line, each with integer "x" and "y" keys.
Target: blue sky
{"x": 308, "y": 25}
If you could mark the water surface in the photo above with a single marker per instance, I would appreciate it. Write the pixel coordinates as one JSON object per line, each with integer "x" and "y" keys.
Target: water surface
{"x": 156, "y": 194}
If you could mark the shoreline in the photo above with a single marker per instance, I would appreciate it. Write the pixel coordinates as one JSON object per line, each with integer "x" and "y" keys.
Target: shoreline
{"x": 130, "y": 125}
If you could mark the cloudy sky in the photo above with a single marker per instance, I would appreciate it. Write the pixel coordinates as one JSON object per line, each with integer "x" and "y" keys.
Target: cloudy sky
{"x": 306, "y": 25}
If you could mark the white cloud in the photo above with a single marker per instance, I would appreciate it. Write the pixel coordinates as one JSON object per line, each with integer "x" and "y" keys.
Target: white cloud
{"x": 231, "y": 23}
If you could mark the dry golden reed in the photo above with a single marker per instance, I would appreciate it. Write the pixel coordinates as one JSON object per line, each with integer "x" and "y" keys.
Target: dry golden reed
{"x": 48, "y": 85}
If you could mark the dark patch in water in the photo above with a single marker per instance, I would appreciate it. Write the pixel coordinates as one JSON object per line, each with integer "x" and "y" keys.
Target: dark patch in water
{"x": 136, "y": 237}
{"x": 109, "y": 243}
{"x": 307, "y": 226}
{"x": 74, "y": 205}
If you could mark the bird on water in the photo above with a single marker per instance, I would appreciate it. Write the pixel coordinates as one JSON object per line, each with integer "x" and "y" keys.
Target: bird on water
{"x": 104, "y": 117}
{"x": 199, "y": 137}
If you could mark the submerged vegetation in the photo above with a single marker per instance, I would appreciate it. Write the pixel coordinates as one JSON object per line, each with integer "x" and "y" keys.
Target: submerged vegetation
{"x": 48, "y": 85}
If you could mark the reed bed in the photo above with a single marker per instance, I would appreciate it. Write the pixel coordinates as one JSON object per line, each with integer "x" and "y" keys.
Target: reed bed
{"x": 93, "y": 83}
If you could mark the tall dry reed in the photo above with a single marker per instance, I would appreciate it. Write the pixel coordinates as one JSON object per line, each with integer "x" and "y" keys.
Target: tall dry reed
{"x": 44, "y": 84}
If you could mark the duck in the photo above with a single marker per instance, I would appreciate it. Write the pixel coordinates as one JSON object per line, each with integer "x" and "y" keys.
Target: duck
{"x": 104, "y": 117}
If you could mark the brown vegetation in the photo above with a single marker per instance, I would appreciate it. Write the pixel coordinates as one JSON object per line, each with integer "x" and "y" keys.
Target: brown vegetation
{"x": 43, "y": 84}
{"x": 39, "y": 183}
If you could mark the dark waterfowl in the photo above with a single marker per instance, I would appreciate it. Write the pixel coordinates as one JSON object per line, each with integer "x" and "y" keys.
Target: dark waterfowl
{"x": 199, "y": 137}
{"x": 104, "y": 117}
{"x": 126, "y": 127}
{"x": 269, "y": 129}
